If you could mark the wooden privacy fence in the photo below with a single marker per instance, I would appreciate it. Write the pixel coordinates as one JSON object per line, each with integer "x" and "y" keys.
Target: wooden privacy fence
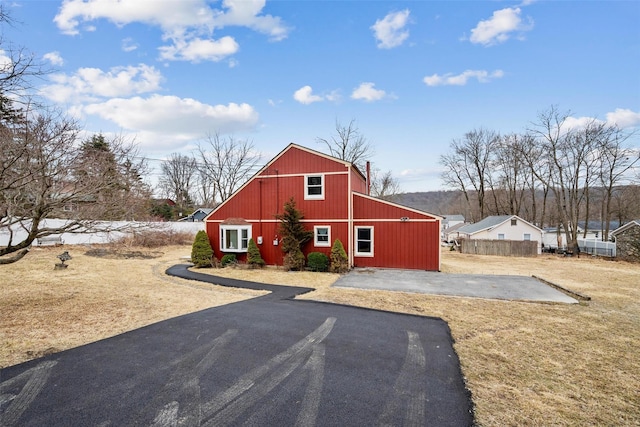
{"x": 499, "y": 247}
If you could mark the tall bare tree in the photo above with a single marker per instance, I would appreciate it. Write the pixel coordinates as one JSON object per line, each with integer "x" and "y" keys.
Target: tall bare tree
{"x": 469, "y": 165}
{"x": 349, "y": 144}
{"x": 228, "y": 163}
{"x": 384, "y": 185}
{"x": 205, "y": 190}
{"x": 616, "y": 160}
{"x": 18, "y": 70}
{"x": 566, "y": 165}
{"x": 179, "y": 175}
{"x": 511, "y": 170}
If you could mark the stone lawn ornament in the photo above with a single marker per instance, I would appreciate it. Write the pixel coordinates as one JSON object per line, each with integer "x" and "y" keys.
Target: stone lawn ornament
{"x": 64, "y": 256}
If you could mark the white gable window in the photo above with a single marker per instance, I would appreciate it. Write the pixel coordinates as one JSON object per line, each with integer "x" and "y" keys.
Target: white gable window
{"x": 364, "y": 241}
{"x": 322, "y": 236}
{"x": 526, "y": 236}
{"x": 234, "y": 238}
{"x": 501, "y": 236}
{"x": 314, "y": 187}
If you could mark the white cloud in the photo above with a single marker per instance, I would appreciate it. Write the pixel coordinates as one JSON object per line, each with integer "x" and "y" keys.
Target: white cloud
{"x": 54, "y": 58}
{"x": 390, "y": 31}
{"x": 171, "y": 16}
{"x": 305, "y": 95}
{"x": 196, "y": 50}
{"x": 181, "y": 118}
{"x": 247, "y": 13}
{"x": 571, "y": 123}
{"x": 499, "y": 27}
{"x": 367, "y": 92}
{"x": 461, "y": 79}
{"x": 128, "y": 45}
{"x": 187, "y": 23}
{"x": 92, "y": 83}
{"x": 5, "y": 60}
{"x": 624, "y": 118}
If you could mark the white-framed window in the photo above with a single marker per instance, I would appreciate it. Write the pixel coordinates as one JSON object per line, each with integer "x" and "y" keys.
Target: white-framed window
{"x": 314, "y": 187}
{"x": 322, "y": 235}
{"x": 234, "y": 238}
{"x": 501, "y": 236}
{"x": 526, "y": 236}
{"x": 514, "y": 222}
{"x": 364, "y": 241}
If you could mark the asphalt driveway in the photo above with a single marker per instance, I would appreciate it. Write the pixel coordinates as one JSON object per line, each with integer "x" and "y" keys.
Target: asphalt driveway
{"x": 270, "y": 361}
{"x": 465, "y": 285}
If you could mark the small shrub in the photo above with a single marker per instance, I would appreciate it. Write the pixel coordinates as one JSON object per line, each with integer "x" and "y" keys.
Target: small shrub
{"x": 201, "y": 251}
{"x": 294, "y": 260}
{"x": 254, "y": 259}
{"x": 339, "y": 259}
{"x": 228, "y": 259}
{"x": 317, "y": 261}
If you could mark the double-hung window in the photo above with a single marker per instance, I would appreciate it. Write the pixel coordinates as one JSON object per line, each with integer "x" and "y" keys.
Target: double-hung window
{"x": 314, "y": 187}
{"x": 364, "y": 241}
{"x": 322, "y": 236}
{"x": 234, "y": 238}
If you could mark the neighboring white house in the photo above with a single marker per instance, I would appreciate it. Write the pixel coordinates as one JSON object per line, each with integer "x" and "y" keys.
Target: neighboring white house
{"x": 451, "y": 223}
{"x": 503, "y": 227}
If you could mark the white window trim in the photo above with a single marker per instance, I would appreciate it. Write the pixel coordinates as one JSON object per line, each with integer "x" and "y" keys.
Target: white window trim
{"x": 317, "y": 243}
{"x": 501, "y": 238}
{"x": 363, "y": 254}
{"x": 308, "y": 196}
{"x": 239, "y": 229}
{"x": 524, "y": 237}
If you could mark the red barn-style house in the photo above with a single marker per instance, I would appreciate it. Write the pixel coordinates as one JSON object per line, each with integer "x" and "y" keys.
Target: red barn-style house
{"x": 332, "y": 194}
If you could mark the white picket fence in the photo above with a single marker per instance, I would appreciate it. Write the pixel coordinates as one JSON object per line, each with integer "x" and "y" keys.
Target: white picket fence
{"x": 19, "y": 234}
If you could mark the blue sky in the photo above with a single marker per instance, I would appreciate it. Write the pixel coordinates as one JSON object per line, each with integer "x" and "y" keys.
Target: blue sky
{"x": 413, "y": 74}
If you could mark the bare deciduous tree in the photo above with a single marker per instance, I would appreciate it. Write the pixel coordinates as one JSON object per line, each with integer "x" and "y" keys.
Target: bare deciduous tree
{"x": 228, "y": 163}
{"x": 384, "y": 185}
{"x": 616, "y": 161}
{"x": 566, "y": 165}
{"x": 469, "y": 165}
{"x": 179, "y": 174}
{"x": 349, "y": 145}
{"x": 44, "y": 173}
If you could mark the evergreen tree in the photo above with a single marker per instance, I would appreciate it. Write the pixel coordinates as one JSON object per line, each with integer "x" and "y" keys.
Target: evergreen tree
{"x": 294, "y": 235}
{"x": 254, "y": 258}
{"x": 201, "y": 251}
{"x": 339, "y": 259}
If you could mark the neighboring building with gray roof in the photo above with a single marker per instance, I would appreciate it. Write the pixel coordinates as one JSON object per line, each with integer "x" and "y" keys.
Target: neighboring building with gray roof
{"x": 198, "y": 215}
{"x": 502, "y": 227}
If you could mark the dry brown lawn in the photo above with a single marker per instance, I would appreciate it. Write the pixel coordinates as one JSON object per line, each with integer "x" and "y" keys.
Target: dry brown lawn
{"x": 525, "y": 363}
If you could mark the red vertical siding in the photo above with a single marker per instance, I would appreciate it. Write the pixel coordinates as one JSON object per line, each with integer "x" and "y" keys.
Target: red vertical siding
{"x": 262, "y": 198}
{"x": 409, "y": 243}
{"x": 403, "y": 237}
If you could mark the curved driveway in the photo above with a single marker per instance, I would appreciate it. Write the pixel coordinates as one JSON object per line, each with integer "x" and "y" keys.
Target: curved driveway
{"x": 266, "y": 361}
